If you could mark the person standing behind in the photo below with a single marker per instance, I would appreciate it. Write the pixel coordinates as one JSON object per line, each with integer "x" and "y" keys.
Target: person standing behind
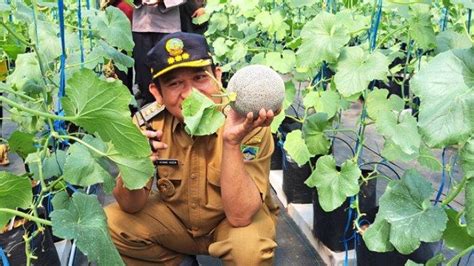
{"x": 192, "y": 9}
{"x": 152, "y": 20}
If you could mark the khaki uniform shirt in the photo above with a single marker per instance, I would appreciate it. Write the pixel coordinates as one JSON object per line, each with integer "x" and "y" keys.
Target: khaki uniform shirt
{"x": 191, "y": 189}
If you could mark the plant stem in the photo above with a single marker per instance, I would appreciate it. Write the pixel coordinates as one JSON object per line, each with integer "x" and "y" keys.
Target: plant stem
{"x": 459, "y": 255}
{"x": 14, "y": 34}
{"x": 35, "y": 112}
{"x": 295, "y": 119}
{"x": 85, "y": 62}
{"x": 455, "y": 193}
{"x": 389, "y": 35}
{"x": 26, "y": 216}
{"x": 26, "y": 97}
{"x": 81, "y": 142}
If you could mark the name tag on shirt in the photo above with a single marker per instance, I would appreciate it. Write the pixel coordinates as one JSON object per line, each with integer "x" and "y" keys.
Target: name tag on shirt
{"x": 166, "y": 162}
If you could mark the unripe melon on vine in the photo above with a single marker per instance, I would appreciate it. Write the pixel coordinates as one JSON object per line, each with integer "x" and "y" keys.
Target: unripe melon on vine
{"x": 256, "y": 87}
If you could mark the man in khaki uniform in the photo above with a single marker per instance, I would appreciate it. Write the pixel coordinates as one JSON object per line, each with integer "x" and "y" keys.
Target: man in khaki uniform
{"x": 213, "y": 192}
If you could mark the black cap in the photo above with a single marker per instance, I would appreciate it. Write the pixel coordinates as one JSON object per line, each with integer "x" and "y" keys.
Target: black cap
{"x": 179, "y": 49}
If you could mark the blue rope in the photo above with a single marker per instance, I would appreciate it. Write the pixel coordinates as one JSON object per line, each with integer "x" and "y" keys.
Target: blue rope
{"x": 346, "y": 229}
{"x": 374, "y": 27}
{"x": 79, "y": 25}
{"x": 469, "y": 15}
{"x": 62, "y": 81}
{"x": 10, "y": 17}
{"x": 443, "y": 177}
{"x": 322, "y": 74}
{"x": 469, "y": 258}
{"x": 4, "y": 258}
{"x": 444, "y": 19}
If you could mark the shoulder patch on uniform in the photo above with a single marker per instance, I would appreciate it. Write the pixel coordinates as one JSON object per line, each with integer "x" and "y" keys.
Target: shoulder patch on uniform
{"x": 249, "y": 152}
{"x": 148, "y": 112}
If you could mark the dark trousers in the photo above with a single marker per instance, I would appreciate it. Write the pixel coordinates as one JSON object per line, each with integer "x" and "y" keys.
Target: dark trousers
{"x": 144, "y": 41}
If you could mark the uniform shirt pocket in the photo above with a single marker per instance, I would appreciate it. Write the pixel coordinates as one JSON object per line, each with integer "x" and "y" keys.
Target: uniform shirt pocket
{"x": 169, "y": 183}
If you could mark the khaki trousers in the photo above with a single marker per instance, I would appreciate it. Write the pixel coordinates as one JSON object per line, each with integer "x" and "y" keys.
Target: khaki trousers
{"x": 155, "y": 236}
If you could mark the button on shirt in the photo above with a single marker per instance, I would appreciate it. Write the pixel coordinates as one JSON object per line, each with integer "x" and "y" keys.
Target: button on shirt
{"x": 196, "y": 200}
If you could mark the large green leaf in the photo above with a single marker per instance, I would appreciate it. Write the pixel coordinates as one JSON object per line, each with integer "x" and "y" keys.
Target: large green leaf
{"x": 428, "y": 159}
{"x": 26, "y": 71}
{"x": 377, "y": 236}
{"x": 465, "y": 3}
{"x": 334, "y": 187}
{"x": 470, "y": 206}
{"x": 49, "y": 46}
{"x": 353, "y": 22}
{"x": 323, "y": 38}
{"x": 393, "y": 152}
{"x": 296, "y": 147}
{"x": 403, "y": 133}
{"x": 467, "y": 158}
{"x": 15, "y": 192}
{"x": 446, "y": 90}
{"x": 313, "y": 133}
{"x": 22, "y": 143}
{"x": 282, "y": 62}
{"x": 135, "y": 171}
{"x": 121, "y": 60}
{"x": 220, "y": 46}
{"x": 448, "y": 40}
{"x": 52, "y": 164}
{"x": 377, "y": 102}
{"x": 83, "y": 219}
{"x": 455, "y": 236}
{"x": 323, "y": 101}
{"x": 114, "y": 27}
{"x": 201, "y": 115}
{"x": 406, "y": 206}
{"x": 82, "y": 169}
{"x": 356, "y": 68}
{"x": 420, "y": 27}
{"x": 277, "y": 120}
{"x": 86, "y": 166}
{"x": 102, "y": 107}
{"x": 467, "y": 164}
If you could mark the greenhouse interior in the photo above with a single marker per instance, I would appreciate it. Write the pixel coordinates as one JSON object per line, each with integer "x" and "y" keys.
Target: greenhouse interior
{"x": 236, "y": 132}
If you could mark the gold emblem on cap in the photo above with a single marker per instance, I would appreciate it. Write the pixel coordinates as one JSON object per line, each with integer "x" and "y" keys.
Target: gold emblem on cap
{"x": 174, "y": 46}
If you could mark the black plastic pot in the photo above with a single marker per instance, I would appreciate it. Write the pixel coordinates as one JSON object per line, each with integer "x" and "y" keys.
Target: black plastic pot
{"x": 42, "y": 246}
{"x": 294, "y": 176}
{"x": 365, "y": 257}
{"x": 277, "y": 156}
{"x": 295, "y": 189}
{"x": 329, "y": 227}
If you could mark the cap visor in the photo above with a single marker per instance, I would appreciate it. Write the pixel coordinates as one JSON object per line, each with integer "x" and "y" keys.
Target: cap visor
{"x": 195, "y": 63}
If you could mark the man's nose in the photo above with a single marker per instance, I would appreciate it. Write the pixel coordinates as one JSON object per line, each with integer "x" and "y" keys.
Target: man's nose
{"x": 187, "y": 89}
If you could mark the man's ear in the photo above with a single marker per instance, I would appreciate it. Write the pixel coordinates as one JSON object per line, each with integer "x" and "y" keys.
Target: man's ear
{"x": 155, "y": 92}
{"x": 218, "y": 74}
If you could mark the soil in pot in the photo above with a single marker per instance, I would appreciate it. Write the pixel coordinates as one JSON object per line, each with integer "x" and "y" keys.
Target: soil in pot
{"x": 329, "y": 227}
{"x": 365, "y": 257}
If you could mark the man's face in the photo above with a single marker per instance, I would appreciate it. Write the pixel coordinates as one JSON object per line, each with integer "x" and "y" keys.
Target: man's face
{"x": 177, "y": 84}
